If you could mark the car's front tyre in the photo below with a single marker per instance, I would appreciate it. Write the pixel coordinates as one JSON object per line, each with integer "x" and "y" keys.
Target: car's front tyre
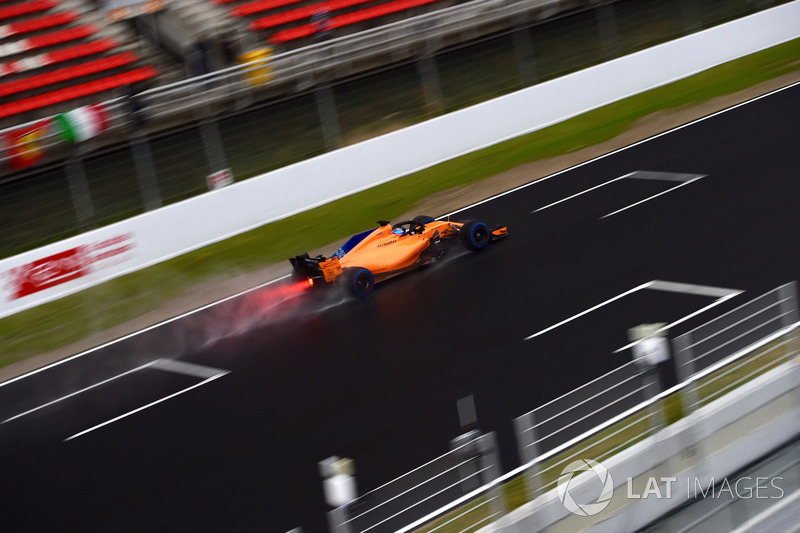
{"x": 475, "y": 235}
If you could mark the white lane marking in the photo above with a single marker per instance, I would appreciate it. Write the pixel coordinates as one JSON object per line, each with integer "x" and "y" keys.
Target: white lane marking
{"x": 188, "y": 369}
{"x": 459, "y": 210}
{"x": 721, "y": 293}
{"x": 648, "y": 199}
{"x": 662, "y": 176}
{"x": 596, "y": 307}
{"x": 684, "y": 319}
{"x": 149, "y": 328}
{"x": 618, "y": 150}
{"x": 582, "y": 192}
{"x": 149, "y": 405}
{"x": 48, "y": 404}
{"x": 699, "y": 290}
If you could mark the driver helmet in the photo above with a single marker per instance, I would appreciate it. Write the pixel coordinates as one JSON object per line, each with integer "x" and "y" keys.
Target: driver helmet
{"x": 398, "y": 231}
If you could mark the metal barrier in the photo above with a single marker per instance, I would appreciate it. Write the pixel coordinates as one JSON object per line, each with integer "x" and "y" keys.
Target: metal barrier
{"x": 705, "y": 347}
{"x": 624, "y": 406}
{"x": 401, "y": 501}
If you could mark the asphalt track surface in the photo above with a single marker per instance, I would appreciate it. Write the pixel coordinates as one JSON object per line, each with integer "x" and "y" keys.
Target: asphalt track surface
{"x": 277, "y": 381}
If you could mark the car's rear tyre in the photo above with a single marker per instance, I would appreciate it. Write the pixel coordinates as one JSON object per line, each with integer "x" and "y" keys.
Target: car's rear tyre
{"x": 358, "y": 281}
{"x": 475, "y": 235}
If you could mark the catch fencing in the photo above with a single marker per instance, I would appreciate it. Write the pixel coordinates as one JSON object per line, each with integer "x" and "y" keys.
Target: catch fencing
{"x": 315, "y": 101}
{"x": 710, "y": 345}
{"x": 473, "y": 462}
{"x": 626, "y": 405}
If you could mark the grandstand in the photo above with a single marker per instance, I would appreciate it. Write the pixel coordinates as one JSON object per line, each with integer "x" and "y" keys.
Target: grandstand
{"x": 56, "y": 55}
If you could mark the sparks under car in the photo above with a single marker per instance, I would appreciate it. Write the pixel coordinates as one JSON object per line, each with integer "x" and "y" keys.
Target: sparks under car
{"x": 378, "y": 254}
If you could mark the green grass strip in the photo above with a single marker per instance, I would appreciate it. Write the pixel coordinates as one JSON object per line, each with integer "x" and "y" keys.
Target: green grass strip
{"x": 75, "y": 317}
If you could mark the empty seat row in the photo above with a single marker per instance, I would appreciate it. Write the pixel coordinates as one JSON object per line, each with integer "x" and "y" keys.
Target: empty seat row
{"x": 259, "y": 6}
{"x": 49, "y": 39}
{"x": 67, "y": 73}
{"x": 58, "y": 56}
{"x": 39, "y": 23}
{"x": 301, "y": 13}
{"x": 26, "y": 8}
{"x": 381, "y": 10}
{"x": 77, "y": 91}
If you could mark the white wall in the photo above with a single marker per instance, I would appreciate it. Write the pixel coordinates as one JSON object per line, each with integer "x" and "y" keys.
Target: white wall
{"x": 69, "y": 266}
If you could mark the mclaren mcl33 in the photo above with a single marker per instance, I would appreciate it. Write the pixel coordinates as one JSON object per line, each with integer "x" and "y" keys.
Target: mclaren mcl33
{"x": 381, "y": 253}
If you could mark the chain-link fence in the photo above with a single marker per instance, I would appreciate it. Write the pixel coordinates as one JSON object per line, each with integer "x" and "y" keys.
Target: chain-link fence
{"x": 188, "y": 136}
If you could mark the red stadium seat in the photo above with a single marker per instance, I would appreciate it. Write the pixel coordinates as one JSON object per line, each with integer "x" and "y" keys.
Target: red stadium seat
{"x": 302, "y": 13}
{"x": 77, "y": 91}
{"x": 39, "y": 23}
{"x": 349, "y": 18}
{"x": 259, "y": 6}
{"x": 26, "y": 8}
{"x": 61, "y": 36}
{"x": 64, "y": 74}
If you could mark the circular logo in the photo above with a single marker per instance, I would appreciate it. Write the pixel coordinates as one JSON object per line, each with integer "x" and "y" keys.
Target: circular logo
{"x": 576, "y": 468}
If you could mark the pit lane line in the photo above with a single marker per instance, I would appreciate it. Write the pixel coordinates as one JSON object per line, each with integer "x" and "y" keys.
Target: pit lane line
{"x": 206, "y": 373}
{"x": 618, "y": 150}
{"x": 720, "y": 293}
{"x": 459, "y": 210}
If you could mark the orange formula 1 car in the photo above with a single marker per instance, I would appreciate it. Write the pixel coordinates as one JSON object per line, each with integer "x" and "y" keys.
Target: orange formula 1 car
{"x": 378, "y": 254}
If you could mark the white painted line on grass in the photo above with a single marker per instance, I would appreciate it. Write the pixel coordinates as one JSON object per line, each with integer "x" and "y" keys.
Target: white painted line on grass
{"x": 618, "y": 150}
{"x": 596, "y": 307}
{"x": 582, "y": 192}
{"x": 648, "y": 199}
{"x": 187, "y": 369}
{"x": 149, "y": 405}
{"x": 48, "y": 404}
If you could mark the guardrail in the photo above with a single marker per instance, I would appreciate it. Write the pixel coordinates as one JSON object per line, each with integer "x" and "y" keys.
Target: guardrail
{"x": 633, "y": 412}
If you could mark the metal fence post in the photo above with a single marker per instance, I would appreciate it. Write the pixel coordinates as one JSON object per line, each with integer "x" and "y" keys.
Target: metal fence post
{"x": 212, "y": 142}
{"x": 328, "y": 117}
{"x": 682, "y": 355}
{"x": 145, "y": 170}
{"x": 79, "y": 190}
{"x": 787, "y": 296}
{"x": 528, "y": 451}
{"x": 690, "y": 16}
{"x": 523, "y": 49}
{"x": 490, "y": 465}
{"x": 429, "y": 77}
{"x": 609, "y": 33}
{"x": 337, "y": 520}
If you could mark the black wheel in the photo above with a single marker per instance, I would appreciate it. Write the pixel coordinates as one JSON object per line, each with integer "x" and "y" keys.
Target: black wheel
{"x": 358, "y": 281}
{"x": 475, "y": 235}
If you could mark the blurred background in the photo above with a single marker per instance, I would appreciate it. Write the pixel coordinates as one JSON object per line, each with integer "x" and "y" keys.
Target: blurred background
{"x": 110, "y": 108}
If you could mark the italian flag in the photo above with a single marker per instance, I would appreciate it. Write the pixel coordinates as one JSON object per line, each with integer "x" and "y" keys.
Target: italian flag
{"x": 83, "y": 123}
